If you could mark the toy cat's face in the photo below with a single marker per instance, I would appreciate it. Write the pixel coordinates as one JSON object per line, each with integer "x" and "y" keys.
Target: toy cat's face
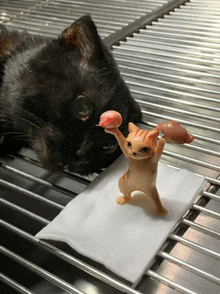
{"x": 41, "y": 84}
{"x": 140, "y": 144}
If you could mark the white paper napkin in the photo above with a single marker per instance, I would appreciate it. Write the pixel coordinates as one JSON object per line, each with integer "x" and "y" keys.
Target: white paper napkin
{"x": 123, "y": 238}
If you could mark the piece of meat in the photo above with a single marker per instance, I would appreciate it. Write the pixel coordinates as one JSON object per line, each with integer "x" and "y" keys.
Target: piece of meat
{"x": 174, "y": 132}
{"x": 110, "y": 119}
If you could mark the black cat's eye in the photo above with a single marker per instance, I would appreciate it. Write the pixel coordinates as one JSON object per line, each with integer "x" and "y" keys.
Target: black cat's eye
{"x": 129, "y": 144}
{"x": 145, "y": 150}
{"x": 82, "y": 107}
{"x": 110, "y": 148}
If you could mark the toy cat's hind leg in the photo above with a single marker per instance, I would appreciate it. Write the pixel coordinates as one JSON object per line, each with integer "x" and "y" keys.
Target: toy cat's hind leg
{"x": 123, "y": 199}
{"x": 124, "y": 189}
{"x": 160, "y": 210}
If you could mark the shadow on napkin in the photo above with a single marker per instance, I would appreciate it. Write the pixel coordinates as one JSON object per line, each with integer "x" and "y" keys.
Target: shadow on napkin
{"x": 147, "y": 206}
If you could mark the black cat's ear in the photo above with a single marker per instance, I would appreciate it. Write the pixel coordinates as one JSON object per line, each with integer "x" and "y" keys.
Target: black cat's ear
{"x": 82, "y": 34}
{"x": 8, "y": 42}
{"x": 83, "y": 107}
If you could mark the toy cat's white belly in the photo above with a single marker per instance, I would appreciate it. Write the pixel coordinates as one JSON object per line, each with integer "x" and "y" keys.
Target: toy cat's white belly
{"x": 138, "y": 181}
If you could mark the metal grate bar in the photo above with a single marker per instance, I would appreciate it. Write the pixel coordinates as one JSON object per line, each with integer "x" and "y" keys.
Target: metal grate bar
{"x": 40, "y": 271}
{"x": 37, "y": 163}
{"x": 37, "y": 180}
{"x": 174, "y": 56}
{"x": 106, "y": 15}
{"x": 146, "y": 76}
{"x": 31, "y": 194}
{"x": 201, "y": 149}
{"x": 195, "y": 246}
{"x": 189, "y": 267}
{"x": 23, "y": 211}
{"x": 169, "y": 283}
{"x": 155, "y": 60}
{"x": 184, "y": 112}
{"x": 70, "y": 259}
{"x": 206, "y": 211}
{"x": 15, "y": 285}
{"x": 202, "y": 229}
{"x": 213, "y": 181}
{"x": 188, "y": 103}
{"x": 211, "y": 195}
{"x": 192, "y": 160}
{"x": 183, "y": 121}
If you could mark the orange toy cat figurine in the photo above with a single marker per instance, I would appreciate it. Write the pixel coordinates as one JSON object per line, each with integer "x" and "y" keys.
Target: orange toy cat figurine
{"x": 143, "y": 151}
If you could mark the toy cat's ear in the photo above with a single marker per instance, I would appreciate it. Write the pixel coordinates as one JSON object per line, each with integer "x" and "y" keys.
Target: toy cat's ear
{"x": 153, "y": 134}
{"x": 82, "y": 34}
{"x": 132, "y": 127}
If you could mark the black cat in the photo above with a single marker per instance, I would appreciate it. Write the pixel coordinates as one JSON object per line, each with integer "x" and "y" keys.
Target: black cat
{"x": 52, "y": 93}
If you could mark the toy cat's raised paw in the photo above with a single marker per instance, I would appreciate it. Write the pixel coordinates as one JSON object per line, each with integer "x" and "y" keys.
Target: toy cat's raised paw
{"x": 110, "y": 120}
{"x": 122, "y": 200}
{"x": 174, "y": 132}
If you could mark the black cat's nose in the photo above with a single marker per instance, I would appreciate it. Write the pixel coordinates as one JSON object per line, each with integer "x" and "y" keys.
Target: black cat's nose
{"x": 134, "y": 153}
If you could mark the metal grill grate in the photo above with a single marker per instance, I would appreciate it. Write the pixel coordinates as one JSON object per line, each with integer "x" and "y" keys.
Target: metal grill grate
{"x": 48, "y": 18}
{"x": 172, "y": 68}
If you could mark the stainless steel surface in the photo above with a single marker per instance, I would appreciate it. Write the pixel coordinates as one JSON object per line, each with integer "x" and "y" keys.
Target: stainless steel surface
{"x": 172, "y": 67}
{"x": 49, "y": 18}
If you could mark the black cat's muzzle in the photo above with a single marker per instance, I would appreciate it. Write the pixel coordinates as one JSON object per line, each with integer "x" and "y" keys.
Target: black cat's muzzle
{"x": 92, "y": 161}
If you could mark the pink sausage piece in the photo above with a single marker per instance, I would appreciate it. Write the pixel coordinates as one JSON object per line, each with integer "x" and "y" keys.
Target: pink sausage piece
{"x": 110, "y": 119}
{"x": 174, "y": 132}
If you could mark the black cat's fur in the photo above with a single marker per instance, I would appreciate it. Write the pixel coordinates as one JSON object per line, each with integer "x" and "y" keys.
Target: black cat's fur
{"x": 39, "y": 81}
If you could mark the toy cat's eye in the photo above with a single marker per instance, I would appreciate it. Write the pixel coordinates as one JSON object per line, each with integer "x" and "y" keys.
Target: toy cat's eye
{"x": 145, "y": 150}
{"x": 110, "y": 148}
{"x": 83, "y": 107}
{"x": 129, "y": 144}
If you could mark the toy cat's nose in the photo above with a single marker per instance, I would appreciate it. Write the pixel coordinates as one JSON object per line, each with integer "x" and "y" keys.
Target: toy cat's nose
{"x": 134, "y": 153}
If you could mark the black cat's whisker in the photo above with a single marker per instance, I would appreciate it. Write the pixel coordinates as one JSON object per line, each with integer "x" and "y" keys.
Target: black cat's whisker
{"x": 29, "y": 122}
{"x": 13, "y": 133}
{"x": 33, "y": 116}
{"x": 16, "y": 123}
{"x": 29, "y": 113}
{"x": 8, "y": 121}
{"x": 38, "y": 119}
{"x": 94, "y": 125}
{"x": 4, "y": 119}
